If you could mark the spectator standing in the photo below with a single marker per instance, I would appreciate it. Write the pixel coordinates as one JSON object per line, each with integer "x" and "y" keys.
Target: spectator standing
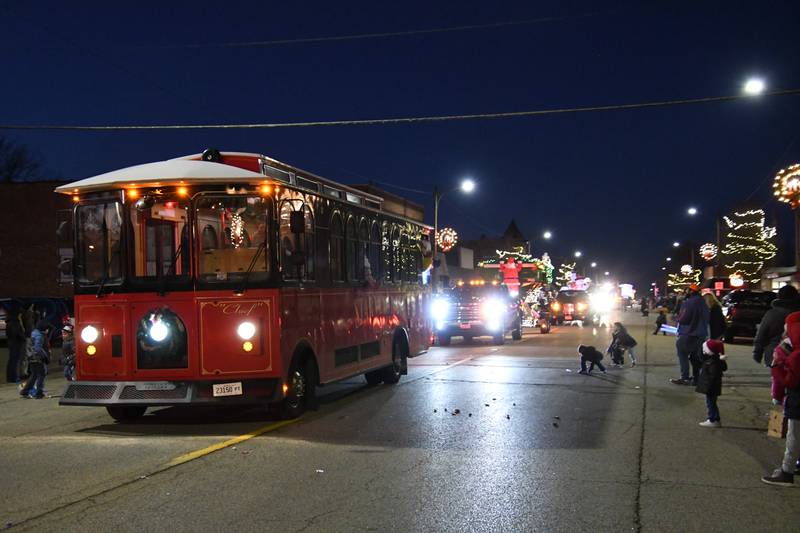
{"x": 770, "y": 330}
{"x": 692, "y": 331}
{"x": 709, "y": 382}
{"x": 716, "y": 320}
{"x": 68, "y": 352}
{"x": 15, "y": 335}
{"x": 786, "y": 390}
{"x": 38, "y": 359}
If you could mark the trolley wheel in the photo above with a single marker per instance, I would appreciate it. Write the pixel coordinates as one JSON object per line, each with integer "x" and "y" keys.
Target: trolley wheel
{"x": 301, "y": 390}
{"x": 126, "y": 413}
{"x": 391, "y": 374}
{"x": 443, "y": 340}
{"x": 516, "y": 334}
{"x": 499, "y": 339}
{"x": 373, "y": 377}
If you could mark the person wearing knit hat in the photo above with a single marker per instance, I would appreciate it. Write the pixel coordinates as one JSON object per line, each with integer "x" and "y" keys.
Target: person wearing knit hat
{"x": 692, "y": 331}
{"x": 709, "y": 382}
{"x": 770, "y": 329}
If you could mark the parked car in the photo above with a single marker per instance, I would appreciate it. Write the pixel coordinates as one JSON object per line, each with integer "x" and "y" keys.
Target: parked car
{"x": 743, "y": 310}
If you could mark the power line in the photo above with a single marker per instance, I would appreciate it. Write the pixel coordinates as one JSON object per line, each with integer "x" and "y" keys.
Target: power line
{"x": 359, "y": 36}
{"x": 402, "y": 120}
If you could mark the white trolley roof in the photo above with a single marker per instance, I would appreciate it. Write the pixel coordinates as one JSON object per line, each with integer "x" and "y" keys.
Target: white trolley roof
{"x": 171, "y": 172}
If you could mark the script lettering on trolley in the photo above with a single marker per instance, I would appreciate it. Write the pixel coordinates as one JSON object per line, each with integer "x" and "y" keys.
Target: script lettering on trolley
{"x": 240, "y": 308}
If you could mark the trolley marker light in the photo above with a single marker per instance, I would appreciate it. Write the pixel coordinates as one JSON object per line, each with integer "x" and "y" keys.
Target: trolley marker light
{"x": 91, "y": 349}
{"x": 247, "y": 346}
{"x": 89, "y": 334}
{"x": 246, "y": 330}
{"x": 159, "y": 331}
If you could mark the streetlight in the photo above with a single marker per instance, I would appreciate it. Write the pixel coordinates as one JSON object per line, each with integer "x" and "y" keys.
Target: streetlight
{"x": 578, "y": 253}
{"x": 594, "y": 265}
{"x": 676, "y": 244}
{"x": 692, "y": 211}
{"x": 669, "y": 259}
{"x": 607, "y": 273}
{"x": 547, "y": 235}
{"x": 466, "y": 186}
{"x": 754, "y": 86}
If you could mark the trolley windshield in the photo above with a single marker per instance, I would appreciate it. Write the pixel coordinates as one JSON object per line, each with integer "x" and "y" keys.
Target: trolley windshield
{"x": 98, "y": 244}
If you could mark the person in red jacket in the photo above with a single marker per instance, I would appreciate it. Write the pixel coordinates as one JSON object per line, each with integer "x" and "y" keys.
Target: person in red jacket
{"x": 786, "y": 371}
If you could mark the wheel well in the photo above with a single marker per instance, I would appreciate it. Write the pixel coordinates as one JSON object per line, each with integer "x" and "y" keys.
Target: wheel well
{"x": 401, "y": 335}
{"x": 304, "y": 352}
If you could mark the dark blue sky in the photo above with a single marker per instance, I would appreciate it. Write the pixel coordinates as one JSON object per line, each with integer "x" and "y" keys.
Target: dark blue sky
{"x": 613, "y": 184}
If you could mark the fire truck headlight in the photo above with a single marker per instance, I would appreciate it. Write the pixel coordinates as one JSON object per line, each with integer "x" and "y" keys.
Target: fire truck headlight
{"x": 493, "y": 309}
{"x": 246, "y": 330}
{"x": 89, "y": 334}
{"x": 439, "y": 309}
{"x": 159, "y": 331}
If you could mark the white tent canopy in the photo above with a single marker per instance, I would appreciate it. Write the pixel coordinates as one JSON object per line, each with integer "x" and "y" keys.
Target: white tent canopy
{"x": 170, "y": 172}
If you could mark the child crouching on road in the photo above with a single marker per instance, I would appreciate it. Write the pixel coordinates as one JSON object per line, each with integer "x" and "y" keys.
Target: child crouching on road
{"x": 709, "y": 382}
{"x": 591, "y": 355}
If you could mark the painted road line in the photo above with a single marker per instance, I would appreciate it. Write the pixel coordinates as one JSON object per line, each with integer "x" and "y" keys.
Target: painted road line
{"x": 191, "y": 456}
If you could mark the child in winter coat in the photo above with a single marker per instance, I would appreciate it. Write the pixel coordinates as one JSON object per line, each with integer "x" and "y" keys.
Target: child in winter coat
{"x": 709, "y": 382}
{"x": 68, "y": 352}
{"x": 621, "y": 341}
{"x": 661, "y": 319}
{"x": 38, "y": 359}
{"x": 786, "y": 390}
{"x": 591, "y": 355}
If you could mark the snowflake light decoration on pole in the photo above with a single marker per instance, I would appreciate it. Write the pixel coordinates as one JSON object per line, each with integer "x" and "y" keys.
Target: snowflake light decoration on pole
{"x": 787, "y": 185}
{"x": 708, "y": 251}
{"x": 748, "y": 244}
{"x": 446, "y": 239}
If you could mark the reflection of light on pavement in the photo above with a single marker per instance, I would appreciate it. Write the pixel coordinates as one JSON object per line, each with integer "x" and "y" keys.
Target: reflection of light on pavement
{"x": 594, "y": 332}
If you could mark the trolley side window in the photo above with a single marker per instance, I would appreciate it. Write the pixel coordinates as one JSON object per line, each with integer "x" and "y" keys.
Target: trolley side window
{"x": 98, "y": 244}
{"x": 233, "y": 234}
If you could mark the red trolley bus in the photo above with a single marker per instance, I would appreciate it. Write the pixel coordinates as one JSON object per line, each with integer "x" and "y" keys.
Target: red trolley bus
{"x": 235, "y": 278}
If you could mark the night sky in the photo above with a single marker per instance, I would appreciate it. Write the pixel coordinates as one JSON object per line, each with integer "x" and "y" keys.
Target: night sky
{"x": 613, "y": 184}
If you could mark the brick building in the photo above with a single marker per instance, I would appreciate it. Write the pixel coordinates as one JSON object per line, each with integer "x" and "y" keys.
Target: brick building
{"x": 29, "y": 246}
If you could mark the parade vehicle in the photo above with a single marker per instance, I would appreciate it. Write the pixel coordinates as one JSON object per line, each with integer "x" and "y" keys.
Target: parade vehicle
{"x": 743, "y": 310}
{"x": 476, "y": 309}
{"x": 571, "y": 305}
{"x": 233, "y": 278}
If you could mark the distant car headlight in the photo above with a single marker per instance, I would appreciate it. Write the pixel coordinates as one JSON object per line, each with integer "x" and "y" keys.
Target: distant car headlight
{"x": 556, "y": 306}
{"x": 246, "y": 330}
{"x": 89, "y": 334}
{"x": 493, "y": 309}
{"x": 439, "y": 309}
{"x": 159, "y": 331}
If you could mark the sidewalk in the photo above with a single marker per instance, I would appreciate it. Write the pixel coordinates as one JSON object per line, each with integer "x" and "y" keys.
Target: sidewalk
{"x": 694, "y": 478}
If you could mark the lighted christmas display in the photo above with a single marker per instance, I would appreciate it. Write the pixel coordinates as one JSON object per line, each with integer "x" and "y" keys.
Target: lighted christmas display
{"x": 565, "y": 274}
{"x": 512, "y": 263}
{"x": 686, "y": 270}
{"x": 787, "y": 185}
{"x": 708, "y": 251}
{"x": 682, "y": 280}
{"x": 446, "y": 239}
{"x": 237, "y": 230}
{"x": 748, "y": 244}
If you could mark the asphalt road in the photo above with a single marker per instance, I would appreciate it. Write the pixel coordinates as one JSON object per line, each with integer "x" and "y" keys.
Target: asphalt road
{"x": 475, "y": 438}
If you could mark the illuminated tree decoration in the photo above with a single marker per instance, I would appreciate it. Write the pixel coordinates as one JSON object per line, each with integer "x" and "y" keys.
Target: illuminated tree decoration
{"x": 748, "y": 244}
{"x": 681, "y": 281}
{"x": 686, "y": 270}
{"x": 237, "y": 230}
{"x": 708, "y": 251}
{"x": 787, "y": 185}
{"x": 565, "y": 274}
{"x": 446, "y": 239}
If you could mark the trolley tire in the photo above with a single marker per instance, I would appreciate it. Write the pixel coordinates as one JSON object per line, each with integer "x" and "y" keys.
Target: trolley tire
{"x": 391, "y": 374}
{"x": 126, "y": 413}
{"x": 443, "y": 340}
{"x": 301, "y": 390}
{"x": 499, "y": 340}
{"x": 373, "y": 377}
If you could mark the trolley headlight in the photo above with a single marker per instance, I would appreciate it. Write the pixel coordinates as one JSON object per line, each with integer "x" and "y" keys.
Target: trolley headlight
{"x": 159, "y": 331}
{"x": 89, "y": 334}
{"x": 493, "y": 309}
{"x": 439, "y": 309}
{"x": 246, "y": 330}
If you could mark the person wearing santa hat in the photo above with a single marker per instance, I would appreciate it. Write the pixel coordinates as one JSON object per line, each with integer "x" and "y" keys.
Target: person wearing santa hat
{"x": 709, "y": 382}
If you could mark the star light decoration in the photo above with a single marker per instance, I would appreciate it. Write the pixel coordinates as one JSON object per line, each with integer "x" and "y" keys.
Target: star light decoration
{"x": 787, "y": 185}
{"x": 446, "y": 239}
{"x": 708, "y": 251}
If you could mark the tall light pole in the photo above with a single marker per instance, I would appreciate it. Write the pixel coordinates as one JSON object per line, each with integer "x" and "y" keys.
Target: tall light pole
{"x": 466, "y": 186}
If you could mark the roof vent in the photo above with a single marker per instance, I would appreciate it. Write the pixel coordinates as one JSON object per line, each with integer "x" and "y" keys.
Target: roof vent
{"x": 212, "y": 155}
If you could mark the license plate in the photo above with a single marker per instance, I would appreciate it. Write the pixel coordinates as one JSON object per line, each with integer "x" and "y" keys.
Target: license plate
{"x": 465, "y": 326}
{"x": 228, "y": 389}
